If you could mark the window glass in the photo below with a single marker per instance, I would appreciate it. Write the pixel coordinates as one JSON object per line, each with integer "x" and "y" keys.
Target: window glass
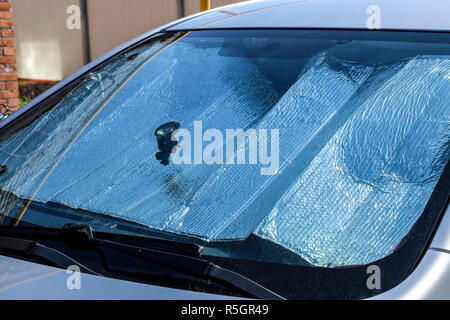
{"x": 343, "y": 142}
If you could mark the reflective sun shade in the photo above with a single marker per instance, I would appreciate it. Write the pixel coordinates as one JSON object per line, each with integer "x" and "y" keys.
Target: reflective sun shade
{"x": 364, "y": 129}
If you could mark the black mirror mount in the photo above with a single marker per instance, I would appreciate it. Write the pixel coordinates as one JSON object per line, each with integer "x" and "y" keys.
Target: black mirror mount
{"x": 165, "y": 143}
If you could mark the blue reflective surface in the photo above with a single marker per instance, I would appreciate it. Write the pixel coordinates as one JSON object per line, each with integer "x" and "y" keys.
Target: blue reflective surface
{"x": 363, "y": 140}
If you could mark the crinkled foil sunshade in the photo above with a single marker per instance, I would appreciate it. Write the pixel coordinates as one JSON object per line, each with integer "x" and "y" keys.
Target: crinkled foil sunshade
{"x": 361, "y": 149}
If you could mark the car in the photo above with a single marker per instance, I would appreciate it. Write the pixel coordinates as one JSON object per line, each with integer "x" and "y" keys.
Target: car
{"x": 266, "y": 149}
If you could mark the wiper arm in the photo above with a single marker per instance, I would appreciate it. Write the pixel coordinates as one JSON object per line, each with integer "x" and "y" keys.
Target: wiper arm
{"x": 34, "y": 249}
{"x": 187, "y": 261}
{"x": 186, "y": 264}
{"x": 189, "y": 249}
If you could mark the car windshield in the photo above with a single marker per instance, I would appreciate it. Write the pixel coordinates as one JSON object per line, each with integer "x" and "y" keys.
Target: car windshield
{"x": 324, "y": 145}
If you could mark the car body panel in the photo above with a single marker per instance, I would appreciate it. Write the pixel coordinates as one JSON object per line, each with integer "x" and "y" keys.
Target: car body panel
{"x": 429, "y": 281}
{"x": 441, "y": 240}
{"x": 398, "y": 14}
{"x": 431, "y": 278}
{"x": 29, "y": 281}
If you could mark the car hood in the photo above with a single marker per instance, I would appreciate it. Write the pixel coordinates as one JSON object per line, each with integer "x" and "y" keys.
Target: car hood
{"x": 28, "y": 281}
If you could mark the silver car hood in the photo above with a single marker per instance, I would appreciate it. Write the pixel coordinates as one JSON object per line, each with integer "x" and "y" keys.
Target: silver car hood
{"x": 30, "y": 281}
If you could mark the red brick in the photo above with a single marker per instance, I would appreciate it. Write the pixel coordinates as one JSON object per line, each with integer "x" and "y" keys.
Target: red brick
{"x": 7, "y": 33}
{"x": 10, "y": 85}
{"x": 9, "y": 94}
{"x": 6, "y": 23}
{"x": 8, "y": 77}
{"x": 9, "y": 51}
{"x": 9, "y": 68}
{"x": 14, "y": 102}
{"x": 4, "y": 60}
{"x": 13, "y": 109}
{"x": 5, "y": 6}
{"x": 9, "y": 88}
{"x": 6, "y": 42}
{"x": 5, "y": 15}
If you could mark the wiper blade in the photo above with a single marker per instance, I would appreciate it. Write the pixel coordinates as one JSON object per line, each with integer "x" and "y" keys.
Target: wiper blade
{"x": 34, "y": 249}
{"x": 189, "y": 249}
{"x": 82, "y": 236}
{"x": 186, "y": 264}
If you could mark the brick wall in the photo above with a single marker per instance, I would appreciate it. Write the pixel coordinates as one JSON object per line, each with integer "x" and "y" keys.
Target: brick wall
{"x": 9, "y": 89}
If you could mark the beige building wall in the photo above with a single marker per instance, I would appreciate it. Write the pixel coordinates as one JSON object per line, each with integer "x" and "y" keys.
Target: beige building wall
{"x": 112, "y": 22}
{"x": 48, "y": 50}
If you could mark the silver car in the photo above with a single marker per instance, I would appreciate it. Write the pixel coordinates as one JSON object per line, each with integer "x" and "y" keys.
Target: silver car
{"x": 268, "y": 149}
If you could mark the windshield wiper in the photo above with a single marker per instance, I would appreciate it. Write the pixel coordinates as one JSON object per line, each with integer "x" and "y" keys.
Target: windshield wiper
{"x": 45, "y": 233}
{"x": 187, "y": 264}
{"x": 82, "y": 236}
{"x": 34, "y": 249}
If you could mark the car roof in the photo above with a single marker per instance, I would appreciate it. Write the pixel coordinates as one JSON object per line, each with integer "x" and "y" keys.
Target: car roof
{"x": 354, "y": 14}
